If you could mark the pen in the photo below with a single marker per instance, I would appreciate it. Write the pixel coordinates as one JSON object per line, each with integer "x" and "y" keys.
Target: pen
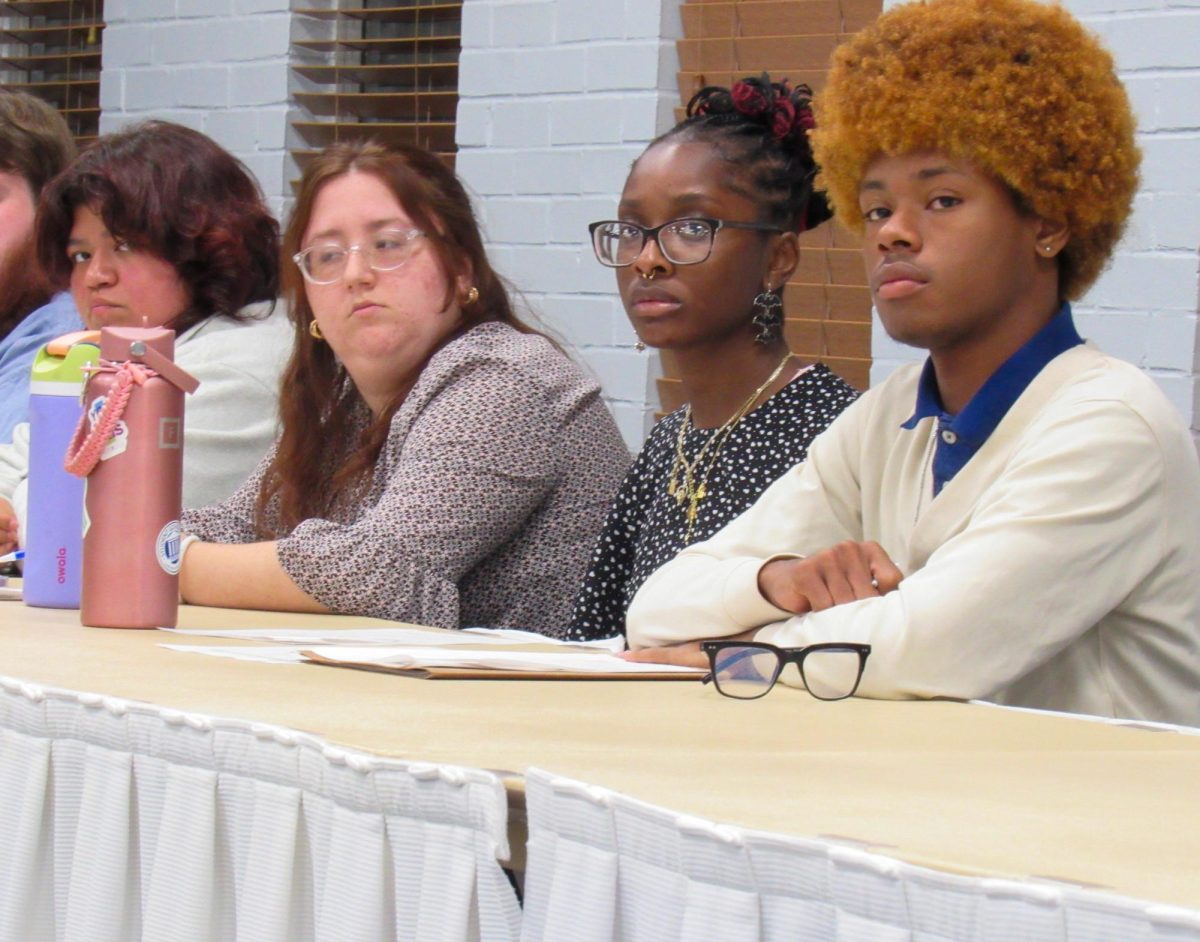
{"x": 12, "y": 557}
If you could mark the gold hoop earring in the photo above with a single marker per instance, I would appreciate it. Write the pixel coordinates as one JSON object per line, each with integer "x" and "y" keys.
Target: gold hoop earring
{"x": 472, "y": 296}
{"x": 314, "y": 330}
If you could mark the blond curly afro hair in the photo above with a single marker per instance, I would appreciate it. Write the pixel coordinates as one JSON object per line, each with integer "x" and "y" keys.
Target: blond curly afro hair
{"x": 1018, "y": 87}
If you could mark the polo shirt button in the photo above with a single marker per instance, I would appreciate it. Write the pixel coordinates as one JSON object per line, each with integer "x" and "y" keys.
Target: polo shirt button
{"x": 949, "y": 437}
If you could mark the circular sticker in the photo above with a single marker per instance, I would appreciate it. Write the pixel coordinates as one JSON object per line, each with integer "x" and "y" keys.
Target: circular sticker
{"x": 166, "y": 548}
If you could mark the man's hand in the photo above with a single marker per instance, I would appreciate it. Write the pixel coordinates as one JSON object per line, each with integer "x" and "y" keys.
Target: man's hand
{"x": 843, "y": 573}
{"x": 8, "y": 528}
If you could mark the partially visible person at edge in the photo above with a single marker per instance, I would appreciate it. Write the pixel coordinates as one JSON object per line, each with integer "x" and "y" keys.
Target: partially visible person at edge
{"x": 35, "y": 144}
{"x": 440, "y": 462}
{"x": 706, "y": 239}
{"x": 1018, "y": 519}
{"x": 158, "y": 225}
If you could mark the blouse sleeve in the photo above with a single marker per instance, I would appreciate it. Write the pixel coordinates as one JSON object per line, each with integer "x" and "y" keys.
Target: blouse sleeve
{"x": 478, "y": 459}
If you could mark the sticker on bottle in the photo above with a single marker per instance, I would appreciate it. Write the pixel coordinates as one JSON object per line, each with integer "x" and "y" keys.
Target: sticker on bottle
{"x": 166, "y": 548}
{"x": 119, "y": 441}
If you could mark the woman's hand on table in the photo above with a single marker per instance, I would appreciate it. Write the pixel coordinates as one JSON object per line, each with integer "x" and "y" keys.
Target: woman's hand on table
{"x": 9, "y": 540}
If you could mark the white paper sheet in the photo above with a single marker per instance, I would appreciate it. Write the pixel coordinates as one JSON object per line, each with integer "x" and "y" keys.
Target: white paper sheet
{"x": 425, "y": 655}
{"x": 406, "y": 637}
{"x": 579, "y": 662}
{"x": 266, "y": 654}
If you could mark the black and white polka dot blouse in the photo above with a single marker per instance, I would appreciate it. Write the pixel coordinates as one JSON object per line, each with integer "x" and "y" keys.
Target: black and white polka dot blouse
{"x": 647, "y": 527}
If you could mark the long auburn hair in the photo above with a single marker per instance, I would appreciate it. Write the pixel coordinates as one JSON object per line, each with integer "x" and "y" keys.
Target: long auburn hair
{"x": 178, "y": 195}
{"x": 321, "y": 454}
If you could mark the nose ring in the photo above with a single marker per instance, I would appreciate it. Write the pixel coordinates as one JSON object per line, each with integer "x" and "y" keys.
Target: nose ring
{"x": 648, "y": 276}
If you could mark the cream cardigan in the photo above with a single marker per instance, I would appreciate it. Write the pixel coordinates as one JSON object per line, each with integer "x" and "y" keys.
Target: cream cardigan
{"x": 1059, "y": 569}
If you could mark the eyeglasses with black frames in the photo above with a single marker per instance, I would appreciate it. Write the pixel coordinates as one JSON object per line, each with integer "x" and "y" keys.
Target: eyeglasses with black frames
{"x": 746, "y": 670}
{"x": 682, "y": 241}
{"x": 325, "y": 262}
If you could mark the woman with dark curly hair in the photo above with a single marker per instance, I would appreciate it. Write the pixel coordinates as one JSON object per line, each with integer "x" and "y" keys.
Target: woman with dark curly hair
{"x": 707, "y": 236}
{"x": 1018, "y": 518}
{"x": 158, "y": 225}
{"x": 440, "y": 462}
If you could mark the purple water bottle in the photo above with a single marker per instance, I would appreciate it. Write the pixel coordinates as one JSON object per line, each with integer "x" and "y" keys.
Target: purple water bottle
{"x": 54, "y": 517}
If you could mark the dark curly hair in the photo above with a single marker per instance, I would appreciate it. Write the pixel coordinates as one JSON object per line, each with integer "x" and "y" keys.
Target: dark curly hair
{"x": 761, "y": 127}
{"x": 175, "y": 193}
{"x": 1018, "y": 87}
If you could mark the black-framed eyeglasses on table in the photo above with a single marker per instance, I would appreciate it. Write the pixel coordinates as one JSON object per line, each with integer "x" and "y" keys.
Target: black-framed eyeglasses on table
{"x": 746, "y": 670}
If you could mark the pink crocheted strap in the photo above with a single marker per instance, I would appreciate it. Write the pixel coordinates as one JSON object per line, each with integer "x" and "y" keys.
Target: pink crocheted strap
{"x": 85, "y": 449}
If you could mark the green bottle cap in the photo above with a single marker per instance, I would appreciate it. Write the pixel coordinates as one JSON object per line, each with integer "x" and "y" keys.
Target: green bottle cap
{"x": 49, "y": 368}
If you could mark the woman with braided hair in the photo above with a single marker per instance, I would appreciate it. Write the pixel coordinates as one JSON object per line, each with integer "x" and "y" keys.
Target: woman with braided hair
{"x": 707, "y": 235}
{"x": 1016, "y": 519}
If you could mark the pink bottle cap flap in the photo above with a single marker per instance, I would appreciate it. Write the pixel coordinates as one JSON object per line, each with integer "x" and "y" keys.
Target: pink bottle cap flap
{"x": 154, "y": 346}
{"x": 116, "y": 341}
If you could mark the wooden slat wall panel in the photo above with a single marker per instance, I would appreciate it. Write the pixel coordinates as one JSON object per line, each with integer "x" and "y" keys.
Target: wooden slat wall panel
{"x": 376, "y": 68}
{"x": 51, "y": 48}
{"x": 827, "y": 302}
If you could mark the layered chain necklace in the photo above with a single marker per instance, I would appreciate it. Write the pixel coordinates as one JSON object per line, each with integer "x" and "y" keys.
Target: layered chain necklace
{"x": 688, "y": 483}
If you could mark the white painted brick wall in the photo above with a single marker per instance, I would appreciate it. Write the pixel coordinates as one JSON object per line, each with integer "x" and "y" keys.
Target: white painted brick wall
{"x": 557, "y": 98}
{"x": 1144, "y": 308}
{"x": 219, "y": 66}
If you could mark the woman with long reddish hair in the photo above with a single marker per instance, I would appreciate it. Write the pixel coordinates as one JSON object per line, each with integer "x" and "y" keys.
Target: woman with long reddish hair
{"x": 439, "y": 461}
{"x": 157, "y": 224}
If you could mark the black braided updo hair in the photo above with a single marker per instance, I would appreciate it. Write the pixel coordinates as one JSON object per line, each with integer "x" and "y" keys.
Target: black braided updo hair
{"x": 761, "y": 127}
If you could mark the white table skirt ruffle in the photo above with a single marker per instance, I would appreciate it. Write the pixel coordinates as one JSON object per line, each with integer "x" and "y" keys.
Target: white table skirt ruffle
{"x": 603, "y": 867}
{"x": 126, "y": 821}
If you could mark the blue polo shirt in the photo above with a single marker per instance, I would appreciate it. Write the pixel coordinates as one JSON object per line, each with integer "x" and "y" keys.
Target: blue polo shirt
{"x": 55, "y": 318}
{"x": 960, "y": 436}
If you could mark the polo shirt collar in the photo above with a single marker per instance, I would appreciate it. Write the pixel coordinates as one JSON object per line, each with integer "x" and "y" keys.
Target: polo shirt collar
{"x": 961, "y": 435}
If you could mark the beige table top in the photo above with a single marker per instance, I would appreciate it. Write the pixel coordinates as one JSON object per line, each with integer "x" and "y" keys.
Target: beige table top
{"x": 960, "y": 787}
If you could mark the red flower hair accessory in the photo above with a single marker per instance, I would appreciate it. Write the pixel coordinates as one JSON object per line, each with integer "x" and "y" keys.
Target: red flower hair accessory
{"x": 772, "y": 103}
{"x": 749, "y": 99}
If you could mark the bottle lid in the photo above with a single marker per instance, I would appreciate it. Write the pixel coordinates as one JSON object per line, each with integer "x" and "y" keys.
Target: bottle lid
{"x": 115, "y": 342}
{"x": 154, "y": 346}
{"x": 66, "y": 367}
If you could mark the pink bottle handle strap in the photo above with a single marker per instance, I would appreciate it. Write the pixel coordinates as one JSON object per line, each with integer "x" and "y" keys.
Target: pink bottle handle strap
{"x": 85, "y": 449}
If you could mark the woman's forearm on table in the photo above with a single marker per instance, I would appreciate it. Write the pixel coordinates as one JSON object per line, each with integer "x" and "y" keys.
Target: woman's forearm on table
{"x": 241, "y": 575}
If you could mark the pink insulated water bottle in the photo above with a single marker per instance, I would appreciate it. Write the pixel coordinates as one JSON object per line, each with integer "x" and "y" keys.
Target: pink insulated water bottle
{"x": 129, "y": 446}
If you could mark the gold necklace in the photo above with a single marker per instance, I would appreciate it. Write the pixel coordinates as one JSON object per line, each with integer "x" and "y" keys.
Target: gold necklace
{"x": 685, "y": 485}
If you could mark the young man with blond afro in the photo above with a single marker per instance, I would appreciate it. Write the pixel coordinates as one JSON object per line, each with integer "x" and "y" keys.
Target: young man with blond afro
{"x": 1019, "y": 518}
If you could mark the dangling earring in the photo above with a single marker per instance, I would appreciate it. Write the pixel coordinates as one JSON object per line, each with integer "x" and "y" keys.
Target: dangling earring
{"x": 639, "y": 346}
{"x": 314, "y": 330}
{"x": 472, "y": 296}
{"x": 767, "y": 316}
